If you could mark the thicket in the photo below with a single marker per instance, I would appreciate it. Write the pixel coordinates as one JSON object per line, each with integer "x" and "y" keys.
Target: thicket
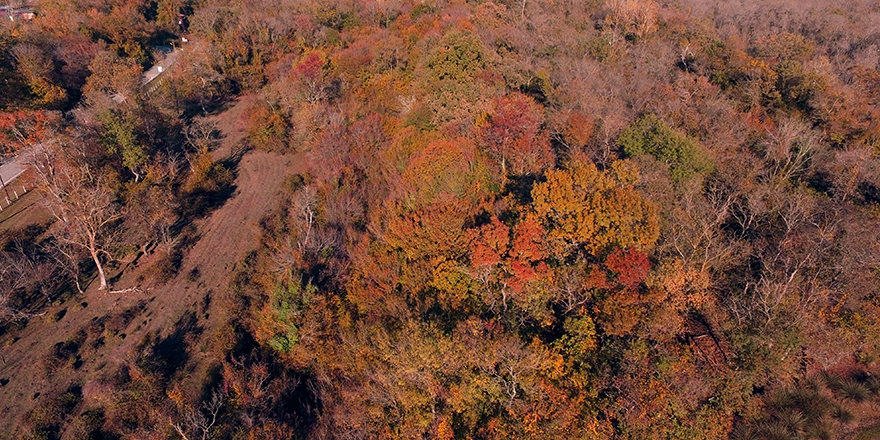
{"x": 606, "y": 219}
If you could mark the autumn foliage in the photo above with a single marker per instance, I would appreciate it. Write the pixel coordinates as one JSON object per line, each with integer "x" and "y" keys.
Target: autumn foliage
{"x": 619, "y": 219}
{"x": 513, "y": 135}
{"x": 583, "y": 208}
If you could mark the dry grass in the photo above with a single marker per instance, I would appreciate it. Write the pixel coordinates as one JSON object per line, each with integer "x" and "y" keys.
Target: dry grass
{"x": 23, "y": 212}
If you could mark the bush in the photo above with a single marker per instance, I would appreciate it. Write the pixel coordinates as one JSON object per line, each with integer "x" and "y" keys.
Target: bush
{"x": 282, "y": 312}
{"x": 649, "y": 135}
{"x": 47, "y": 420}
{"x": 267, "y": 127}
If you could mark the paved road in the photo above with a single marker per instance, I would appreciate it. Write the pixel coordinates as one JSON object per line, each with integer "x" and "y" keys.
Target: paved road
{"x": 12, "y": 168}
{"x": 161, "y": 66}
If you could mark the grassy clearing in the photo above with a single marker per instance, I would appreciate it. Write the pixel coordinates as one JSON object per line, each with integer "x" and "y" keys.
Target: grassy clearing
{"x": 25, "y": 211}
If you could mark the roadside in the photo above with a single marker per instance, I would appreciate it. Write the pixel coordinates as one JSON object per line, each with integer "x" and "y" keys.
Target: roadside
{"x": 162, "y": 66}
{"x": 12, "y": 168}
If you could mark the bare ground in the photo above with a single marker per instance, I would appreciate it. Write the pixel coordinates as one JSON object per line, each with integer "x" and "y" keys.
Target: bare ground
{"x": 199, "y": 291}
{"x": 24, "y": 211}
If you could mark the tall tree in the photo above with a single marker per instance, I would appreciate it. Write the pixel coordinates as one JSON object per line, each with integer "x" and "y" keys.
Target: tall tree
{"x": 512, "y": 135}
{"x": 77, "y": 196}
{"x": 582, "y": 207}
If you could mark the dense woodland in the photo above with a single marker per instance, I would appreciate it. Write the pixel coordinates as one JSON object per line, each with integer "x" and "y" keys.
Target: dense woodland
{"x": 629, "y": 219}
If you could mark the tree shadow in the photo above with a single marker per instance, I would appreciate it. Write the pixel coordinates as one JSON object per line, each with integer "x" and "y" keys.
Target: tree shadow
{"x": 212, "y": 106}
{"x": 201, "y": 202}
{"x": 166, "y": 356}
{"x": 213, "y": 191}
{"x": 297, "y": 399}
{"x": 520, "y": 186}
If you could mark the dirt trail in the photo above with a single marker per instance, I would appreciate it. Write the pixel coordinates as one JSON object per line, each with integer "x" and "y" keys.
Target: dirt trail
{"x": 225, "y": 238}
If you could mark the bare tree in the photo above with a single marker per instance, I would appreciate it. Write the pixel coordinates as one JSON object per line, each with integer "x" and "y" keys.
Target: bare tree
{"x": 25, "y": 275}
{"x": 151, "y": 216}
{"x": 31, "y": 61}
{"x": 202, "y": 137}
{"x": 198, "y": 423}
{"x": 788, "y": 149}
{"x": 16, "y": 273}
{"x": 77, "y": 197}
{"x": 66, "y": 257}
{"x": 695, "y": 233}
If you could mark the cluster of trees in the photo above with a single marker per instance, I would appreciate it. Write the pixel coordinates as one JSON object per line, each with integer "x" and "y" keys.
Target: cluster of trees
{"x": 111, "y": 160}
{"x": 605, "y": 219}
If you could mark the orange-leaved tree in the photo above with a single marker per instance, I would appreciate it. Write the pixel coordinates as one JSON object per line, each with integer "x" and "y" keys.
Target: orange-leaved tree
{"x": 21, "y": 129}
{"x": 591, "y": 210}
{"x": 508, "y": 266}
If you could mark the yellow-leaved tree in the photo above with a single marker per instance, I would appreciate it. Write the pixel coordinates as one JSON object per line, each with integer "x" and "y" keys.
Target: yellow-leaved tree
{"x": 584, "y": 208}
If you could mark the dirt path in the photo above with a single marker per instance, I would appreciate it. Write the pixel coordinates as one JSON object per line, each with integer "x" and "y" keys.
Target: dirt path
{"x": 225, "y": 238}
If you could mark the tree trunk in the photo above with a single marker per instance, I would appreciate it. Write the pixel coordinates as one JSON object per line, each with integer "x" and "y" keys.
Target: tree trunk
{"x": 101, "y": 274}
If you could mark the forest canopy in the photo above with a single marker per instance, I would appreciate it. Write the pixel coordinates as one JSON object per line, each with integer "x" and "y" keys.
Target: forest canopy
{"x": 628, "y": 219}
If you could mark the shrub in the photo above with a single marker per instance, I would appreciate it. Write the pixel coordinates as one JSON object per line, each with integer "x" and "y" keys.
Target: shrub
{"x": 267, "y": 127}
{"x": 649, "y": 135}
{"x": 282, "y": 312}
